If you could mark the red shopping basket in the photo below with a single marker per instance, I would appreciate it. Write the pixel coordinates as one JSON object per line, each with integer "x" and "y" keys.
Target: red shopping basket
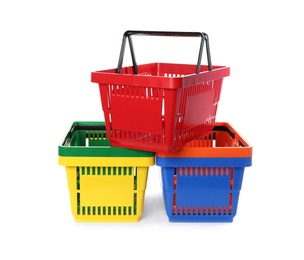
{"x": 159, "y": 107}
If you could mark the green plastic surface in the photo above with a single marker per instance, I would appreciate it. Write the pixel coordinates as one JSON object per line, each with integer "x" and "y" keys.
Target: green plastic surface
{"x": 88, "y": 139}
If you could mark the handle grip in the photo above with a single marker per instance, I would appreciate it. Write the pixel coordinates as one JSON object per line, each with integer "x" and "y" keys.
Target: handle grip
{"x": 128, "y": 34}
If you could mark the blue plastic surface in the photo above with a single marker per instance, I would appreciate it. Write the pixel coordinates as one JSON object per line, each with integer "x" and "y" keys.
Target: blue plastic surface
{"x": 202, "y": 189}
{"x": 198, "y": 162}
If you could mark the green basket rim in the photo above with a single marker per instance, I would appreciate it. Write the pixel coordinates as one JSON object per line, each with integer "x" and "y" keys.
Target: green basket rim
{"x": 95, "y": 151}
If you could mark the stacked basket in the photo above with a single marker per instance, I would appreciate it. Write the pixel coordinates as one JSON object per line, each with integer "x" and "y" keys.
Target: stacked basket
{"x": 163, "y": 114}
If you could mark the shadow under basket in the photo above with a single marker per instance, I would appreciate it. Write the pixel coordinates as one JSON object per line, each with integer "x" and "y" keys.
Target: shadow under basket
{"x": 106, "y": 184}
{"x": 202, "y": 182}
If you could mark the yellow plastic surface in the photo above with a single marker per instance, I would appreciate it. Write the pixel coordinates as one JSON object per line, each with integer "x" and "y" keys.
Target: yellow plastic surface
{"x": 107, "y": 193}
{"x": 106, "y": 161}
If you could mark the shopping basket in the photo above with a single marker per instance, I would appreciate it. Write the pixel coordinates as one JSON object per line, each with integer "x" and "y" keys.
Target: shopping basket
{"x": 202, "y": 181}
{"x": 106, "y": 184}
{"x": 159, "y": 107}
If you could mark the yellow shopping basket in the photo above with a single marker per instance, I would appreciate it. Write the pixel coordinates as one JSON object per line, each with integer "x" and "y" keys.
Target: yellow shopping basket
{"x": 106, "y": 184}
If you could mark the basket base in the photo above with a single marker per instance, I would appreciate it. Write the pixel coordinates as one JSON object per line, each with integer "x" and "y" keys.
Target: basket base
{"x": 200, "y": 219}
{"x": 107, "y": 219}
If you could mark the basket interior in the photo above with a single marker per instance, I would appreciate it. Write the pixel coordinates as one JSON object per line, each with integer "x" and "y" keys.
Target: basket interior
{"x": 221, "y": 136}
{"x": 87, "y": 136}
{"x": 90, "y": 138}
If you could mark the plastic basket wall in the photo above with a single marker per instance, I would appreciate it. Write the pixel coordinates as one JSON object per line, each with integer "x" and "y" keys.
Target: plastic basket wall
{"x": 107, "y": 193}
{"x": 162, "y": 108}
{"x": 106, "y": 184}
{"x": 202, "y": 182}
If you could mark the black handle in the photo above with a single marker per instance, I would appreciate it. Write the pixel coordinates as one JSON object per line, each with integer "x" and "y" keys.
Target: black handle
{"x": 128, "y": 34}
{"x": 228, "y": 131}
{"x": 82, "y": 127}
{"x": 224, "y": 129}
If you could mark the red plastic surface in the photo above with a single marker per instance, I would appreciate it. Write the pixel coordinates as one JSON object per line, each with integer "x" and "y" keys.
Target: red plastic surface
{"x": 161, "y": 108}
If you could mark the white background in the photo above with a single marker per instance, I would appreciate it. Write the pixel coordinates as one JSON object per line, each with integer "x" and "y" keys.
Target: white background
{"x": 48, "y": 50}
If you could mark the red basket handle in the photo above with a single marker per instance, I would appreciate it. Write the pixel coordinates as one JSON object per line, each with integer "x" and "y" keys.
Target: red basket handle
{"x": 128, "y": 34}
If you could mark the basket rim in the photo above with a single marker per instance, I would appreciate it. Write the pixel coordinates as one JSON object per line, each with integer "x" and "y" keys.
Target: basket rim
{"x": 243, "y": 151}
{"x": 187, "y": 76}
{"x": 65, "y": 150}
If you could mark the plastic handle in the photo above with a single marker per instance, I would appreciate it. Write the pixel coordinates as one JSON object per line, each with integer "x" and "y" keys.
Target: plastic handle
{"x": 128, "y": 34}
{"x": 231, "y": 133}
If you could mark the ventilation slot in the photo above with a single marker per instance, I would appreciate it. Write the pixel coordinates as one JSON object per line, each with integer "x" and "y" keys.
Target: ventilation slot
{"x": 205, "y": 171}
{"x": 106, "y": 210}
{"x": 201, "y": 210}
{"x": 92, "y": 171}
{"x": 142, "y": 137}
